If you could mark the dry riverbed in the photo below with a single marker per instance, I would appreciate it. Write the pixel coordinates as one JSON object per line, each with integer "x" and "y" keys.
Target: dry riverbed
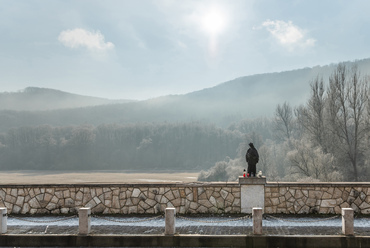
{"x": 104, "y": 177}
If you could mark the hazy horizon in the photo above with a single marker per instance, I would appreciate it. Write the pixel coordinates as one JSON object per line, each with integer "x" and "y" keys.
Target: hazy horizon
{"x": 142, "y": 50}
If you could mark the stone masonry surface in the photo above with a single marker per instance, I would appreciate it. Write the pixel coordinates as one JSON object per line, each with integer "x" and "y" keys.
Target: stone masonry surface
{"x": 190, "y": 198}
{"x": 121, "y": 199}
{"x": 321, "y": 198}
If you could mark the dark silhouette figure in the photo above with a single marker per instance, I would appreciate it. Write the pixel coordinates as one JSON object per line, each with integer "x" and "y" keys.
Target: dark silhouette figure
{"x": 252, "y": 159}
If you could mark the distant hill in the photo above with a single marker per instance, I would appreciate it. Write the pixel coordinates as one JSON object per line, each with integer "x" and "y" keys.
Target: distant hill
{"x": 244, "y": 97}
{"x": 34, "y": 98}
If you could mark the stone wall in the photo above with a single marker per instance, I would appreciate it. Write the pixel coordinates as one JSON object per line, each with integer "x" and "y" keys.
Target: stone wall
{"x": 287, "y": 198}
{"x": 322, "y": 198}
{"x": 123, "y": 199}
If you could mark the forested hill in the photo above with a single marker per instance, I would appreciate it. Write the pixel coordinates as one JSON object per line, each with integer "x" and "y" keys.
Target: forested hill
{"x": 244, "y": 97}
{"x": 34, "y": 98}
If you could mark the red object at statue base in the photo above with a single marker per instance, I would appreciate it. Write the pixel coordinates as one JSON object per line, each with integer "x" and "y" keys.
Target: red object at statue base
{"x": 248, "y": 175}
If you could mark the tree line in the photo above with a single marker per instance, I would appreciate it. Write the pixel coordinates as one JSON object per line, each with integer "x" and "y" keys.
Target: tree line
{"x": 181, "y": 146}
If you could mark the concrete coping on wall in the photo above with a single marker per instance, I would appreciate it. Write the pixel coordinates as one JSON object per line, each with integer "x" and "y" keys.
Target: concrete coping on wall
{"x": 127, "y": 185}
{"x": 252, "y": 180}
{"x": 317, "y": 184}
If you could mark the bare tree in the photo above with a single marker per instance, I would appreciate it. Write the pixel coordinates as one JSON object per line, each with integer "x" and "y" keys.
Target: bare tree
{"x": 347, "y": 100}
{"x": 283, "y": 121}
{"x": 311, "y": 162}
{"x": 312, "y": 116}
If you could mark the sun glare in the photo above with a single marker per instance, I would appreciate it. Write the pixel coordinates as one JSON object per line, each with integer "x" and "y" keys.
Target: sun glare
{"x": 214, "y": 22}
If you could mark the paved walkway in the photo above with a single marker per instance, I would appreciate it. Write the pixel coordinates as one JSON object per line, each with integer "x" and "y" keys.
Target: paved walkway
{"x": 287, "y": 225}
{"x": 204, "y": 230}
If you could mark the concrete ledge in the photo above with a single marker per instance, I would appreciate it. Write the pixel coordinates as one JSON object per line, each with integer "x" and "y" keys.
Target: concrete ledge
{"x": 317, "y": 184}
{"x": 318, "y": 241}
{"x": 252, "y": 180}
{"x": 129, "y": 185}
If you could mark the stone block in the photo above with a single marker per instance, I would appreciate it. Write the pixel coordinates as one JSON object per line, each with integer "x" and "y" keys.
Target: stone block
{"x": 202, "y": 209}
{"x": 107, "y": 195}
{"x": 144, "y": 205}
{"x": 182, "y": 193}
{"x": 193, "y": 205}
{"x": 364, "y": 205}
{"x": 20, "y": 201}
{"x": 337, "y": 193}
{"x": 34, "y": 203}
{"x": 347, "y": 221}
{"x": 25, "y": 209}
{"x": 169, "y": 195}
{"x": 283, "y": 190}
{"x": 84, "y": 226}
{"x": 288, "y": 195}
{"x": 235, "y": 190}
{"x": 275, "y": 201}
{"x": 230, "y": 198}
{"x": 274, "y": 190}
{"x": 209, "y": 192}
{"x": 252, "y": 196}
{"x": 257, "y": 221}
{"x": 304, "y": 210}
{"x": 213, "y": 201}
{"x": 205, "y": 203}
{"x": 3, "y": 220}
{"x": 22, "y": 192}
{"x": 362, "y": 196}
{"x": 328, "y": 203}
{"x": 305, "y": 193}
{"x": 51, "y": 206}
{"x": 268, "y": 202}
{"x": 337, "y": 210}
{"x": 298, "y": 194}
{"x": 315, "y": 194}
{"x": 115, "y": 202}
{"x": 176, "y": 202}
{"x": 151, "y": 202}
{"x": 358, "y": 201}
{"x": 224, "y": 193}
{"x": 365, "y": 211}
{"x": 323, "y": 210}
{"x": 330, "y": 190}
{"x": 311, "y": 202}
{"x": 236, "y": 202}
{"x": 326, "y": 195}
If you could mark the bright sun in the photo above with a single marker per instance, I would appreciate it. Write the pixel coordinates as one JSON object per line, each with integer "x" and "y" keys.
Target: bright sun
{"x": 214, "y": 22}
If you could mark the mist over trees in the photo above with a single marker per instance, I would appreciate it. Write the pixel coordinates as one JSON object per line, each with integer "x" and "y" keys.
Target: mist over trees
{"x": 326, "y": 139}
{"x": 183, "y": 146}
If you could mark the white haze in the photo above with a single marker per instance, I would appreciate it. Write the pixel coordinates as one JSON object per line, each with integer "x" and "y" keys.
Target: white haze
{"x": 150, "y": 48}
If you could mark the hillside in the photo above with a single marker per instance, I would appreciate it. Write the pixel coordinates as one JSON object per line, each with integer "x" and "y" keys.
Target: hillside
{"x": 244, "y": 97}
{"x": 34, "y": 98}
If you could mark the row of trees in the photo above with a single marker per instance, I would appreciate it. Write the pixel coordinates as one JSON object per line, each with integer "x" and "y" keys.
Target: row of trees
{"x": 334, "y": 127}
{"x": 326, "y": 139}
{"x": 182, "y": 146}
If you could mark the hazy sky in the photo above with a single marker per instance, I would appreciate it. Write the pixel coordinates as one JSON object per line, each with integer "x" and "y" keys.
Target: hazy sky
{"x": 146, "y": 48}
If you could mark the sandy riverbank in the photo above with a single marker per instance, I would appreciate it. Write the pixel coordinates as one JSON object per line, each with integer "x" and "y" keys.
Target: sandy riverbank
{"x": 70, "y": 177}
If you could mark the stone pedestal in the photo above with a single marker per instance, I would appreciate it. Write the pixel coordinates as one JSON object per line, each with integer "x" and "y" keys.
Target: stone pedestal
{"x": 257, "y": 221}
{"x": 3, "y": 220}
{"x": 170, "y": 228}
{"x": 84, "y": 215}
{"x": 252, "y": 193}
{"x": 347, "y": 221}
